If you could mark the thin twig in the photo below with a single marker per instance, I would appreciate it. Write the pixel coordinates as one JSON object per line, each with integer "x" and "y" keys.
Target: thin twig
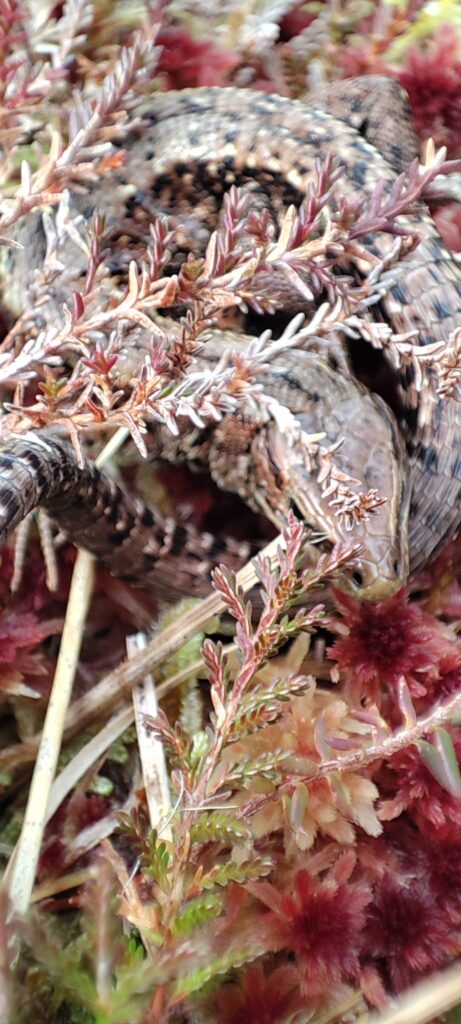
{"x": 24, "y": 860}
{"x": 440, "y": 714}
{"x": 151, "y": 750}
{"x": 71, "y": 880}
{"x": 114, "y": 687}
{"x": 111, "y": 690}
{"x": 26, "y": 853}
{"x": 86, "y": 757}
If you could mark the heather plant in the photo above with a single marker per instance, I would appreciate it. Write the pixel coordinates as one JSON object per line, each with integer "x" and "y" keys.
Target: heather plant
{"x": 279, "y": 840}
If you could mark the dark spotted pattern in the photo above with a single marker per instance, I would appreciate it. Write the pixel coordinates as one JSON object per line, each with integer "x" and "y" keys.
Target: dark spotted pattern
{"x": 192, "y": 147}
{"x": 359, "y": 172}
{"x": 133, "y": 541}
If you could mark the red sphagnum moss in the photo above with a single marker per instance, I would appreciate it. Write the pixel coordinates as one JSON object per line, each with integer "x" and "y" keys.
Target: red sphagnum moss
{"x": 432, "y": 79}
{"x": 307, "y": 918}
{"x": 378, "y": 644}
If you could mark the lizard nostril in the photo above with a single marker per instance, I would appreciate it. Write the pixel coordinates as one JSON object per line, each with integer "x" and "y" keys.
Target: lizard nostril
{"x": 357, "y": 578}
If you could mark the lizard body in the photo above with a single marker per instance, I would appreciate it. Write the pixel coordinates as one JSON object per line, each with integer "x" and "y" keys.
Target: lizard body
{"x": 197, "y": 143}
{"x": 252, "y": 457}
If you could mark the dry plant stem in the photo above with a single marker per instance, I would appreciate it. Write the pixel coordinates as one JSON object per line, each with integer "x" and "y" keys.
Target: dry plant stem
{"x": 112, "y": 446}
{"x": 87, "y": 756}
{"x": 24, "y": 860}
{"x": 151, "y": 751}
{"x": 195, "y": 668}
{"x": 131, "y": 900}
{"x": 111, "y": 690}
{"x": 441, "y": 714}
{"x": 49, "y": 551}
{"x": 47, "y": 546}
{"x": 45, "y": 186}
{"x": 21, "y": 540}
{"x": 22, "y": 753}
{"x": 426, "y": 1001}
{"x": 91, "y": 837}
{"x": 53, "y": 886}
{"x": 26, "y": 853}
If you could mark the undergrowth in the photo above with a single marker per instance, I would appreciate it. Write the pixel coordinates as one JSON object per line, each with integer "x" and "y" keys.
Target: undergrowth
{"x": 280, "y": 841}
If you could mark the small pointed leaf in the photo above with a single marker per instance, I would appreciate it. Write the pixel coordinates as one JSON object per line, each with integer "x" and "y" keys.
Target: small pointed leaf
{"x": 440, "y": 758}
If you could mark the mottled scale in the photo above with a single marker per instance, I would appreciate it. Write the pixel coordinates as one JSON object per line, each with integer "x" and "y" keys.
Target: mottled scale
{"x": 135, "y": 543}
{"x": 430, "y": 286}
{"x": 321, "y": 400}
{"x": 209, "y": 138}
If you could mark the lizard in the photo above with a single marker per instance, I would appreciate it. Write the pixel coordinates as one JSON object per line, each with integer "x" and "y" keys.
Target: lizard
{"x": 250, "y": 456}
{"x": 190, "y": 148}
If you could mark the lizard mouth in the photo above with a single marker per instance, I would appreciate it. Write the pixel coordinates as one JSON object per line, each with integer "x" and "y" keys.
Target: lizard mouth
{"x": 371, "y": 588}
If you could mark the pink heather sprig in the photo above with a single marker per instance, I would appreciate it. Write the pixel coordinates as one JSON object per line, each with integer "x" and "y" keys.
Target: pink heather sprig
{"x": 263, "y": 704}
{"x": 222, "y": 251}
{"x": 96, "y": 232}
{"x": 88, "y": 399}
{"x": 158, "y": 254}
{"x": 87, "y": 121}
{"x": 281, "y": 587}
{"x": 147, "y": 291}
{"x": 203, "y": 397}
{"x": 306, "y": 247}
{"x": 382, "y": 209}
{"x": 13, "y": 27}
{"x": 67, "y": 35}
{"x": 201, "y": 776}
{"x": 318, "y": 195}
{"x": 23, "y": 79}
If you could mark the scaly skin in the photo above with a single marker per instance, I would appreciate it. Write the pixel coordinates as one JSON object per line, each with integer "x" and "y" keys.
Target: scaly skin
{"x": 255, "y": 459}
{"x": 196, "y": 145}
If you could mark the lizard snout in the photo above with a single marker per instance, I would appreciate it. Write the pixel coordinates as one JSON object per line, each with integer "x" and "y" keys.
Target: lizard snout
{"x": 375, "y": 581}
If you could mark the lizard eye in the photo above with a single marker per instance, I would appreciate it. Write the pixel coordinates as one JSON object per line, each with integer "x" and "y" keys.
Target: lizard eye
{"x": 357, "y": 578}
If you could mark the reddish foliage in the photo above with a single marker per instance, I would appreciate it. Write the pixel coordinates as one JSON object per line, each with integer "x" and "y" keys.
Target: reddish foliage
{"x": 186, "y": 62}
{"x": 77, "y": 813}
{"x": 442, "y": 862}
{"x": 307, "y": 920}
{"x": 20, "y": 632}
{"x": 259, "y": 998}
{"x": 356, "y": 61}
{"x": 399, "y": 902}
{"x": 432, "y": 78}
{"x": 380, "y": 643}
{"x": 431, "y": 857}
{"x": 448, "y": 220}
{"x": 294, "y": 22}
{"x": 407, "y": 932}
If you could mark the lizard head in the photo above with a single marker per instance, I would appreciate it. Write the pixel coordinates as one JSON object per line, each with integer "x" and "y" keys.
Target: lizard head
{"x": 360, "y": 454}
